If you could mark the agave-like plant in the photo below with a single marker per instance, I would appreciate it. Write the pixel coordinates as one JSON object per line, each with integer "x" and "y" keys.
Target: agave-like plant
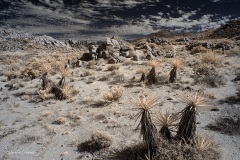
{"x": 187, "y": 126}
{"x": 64, "y": 72}
{"x": 143, "y": 77}
{"x": 176, "y": 64}
{"x": 46, "y": 69}
{"x": 167, "y": 121}
{"x": 148, "y": 129}
{"x": 152, "y": 73}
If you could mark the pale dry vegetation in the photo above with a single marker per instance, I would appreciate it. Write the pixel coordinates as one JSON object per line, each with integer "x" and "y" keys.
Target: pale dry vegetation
{"x": 199, "y": 49}
{"x": 211, "y": 58}
{"x": 170, "y": 134}
{"x": 99, "y": 140}
{"x": 113, "y": 67}
{"x": 113, "y": 94}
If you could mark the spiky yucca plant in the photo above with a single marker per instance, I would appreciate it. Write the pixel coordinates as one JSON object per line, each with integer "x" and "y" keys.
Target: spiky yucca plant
{"x": 166, "y": 120}
{"x": 143, "y": 76}
{"x": 187, "y": 126}
{"x": 148, "y": 129}
{"x": 176, "y": 64}
{"x": 152, "y": 73}
{"x": 64, "y": 72}
{"x": 46, "y": 69}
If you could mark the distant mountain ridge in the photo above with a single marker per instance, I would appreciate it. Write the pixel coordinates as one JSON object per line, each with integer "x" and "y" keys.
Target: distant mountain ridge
{"x": 126, "y": 18}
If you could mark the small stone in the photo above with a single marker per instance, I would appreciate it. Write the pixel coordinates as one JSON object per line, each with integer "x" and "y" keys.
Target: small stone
{"x": 64, "y": 153}
{"x": 112, "y": 61}
{"x": 214, "y": 109}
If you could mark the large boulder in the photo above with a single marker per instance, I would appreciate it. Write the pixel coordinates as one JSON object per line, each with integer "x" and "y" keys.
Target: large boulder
{"x": 137, "y": 55}
{"x": 112, "y": 43}
{"x": 85, "y": 57}
{"x": 125, "y": 53}
{"x": 105, "y": 55}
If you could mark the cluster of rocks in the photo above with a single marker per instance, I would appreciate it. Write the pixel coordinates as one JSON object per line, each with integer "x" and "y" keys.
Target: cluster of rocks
{"x": 112, "y": 50}
{"x": 11, "y": 40}
{"x": 223, "y": 45}
{"x": 117, "y": 51}
{"x": 49, "y": 42}
{"x": 77, "y": 43}
{"x": 158, "y": 41}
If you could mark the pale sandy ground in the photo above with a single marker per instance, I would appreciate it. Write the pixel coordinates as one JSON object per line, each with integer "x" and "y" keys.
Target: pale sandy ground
{"x": 27, "y": 135}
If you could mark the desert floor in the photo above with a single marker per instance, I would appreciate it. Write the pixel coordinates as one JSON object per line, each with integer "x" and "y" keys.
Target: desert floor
{"x": 32, "y": 128}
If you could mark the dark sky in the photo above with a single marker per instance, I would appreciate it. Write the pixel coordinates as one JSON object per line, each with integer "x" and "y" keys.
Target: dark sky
{"x": 118, "y": 17}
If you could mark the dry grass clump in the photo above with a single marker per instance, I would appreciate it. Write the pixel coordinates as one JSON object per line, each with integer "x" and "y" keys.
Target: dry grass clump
{"x": 179, "y": 151}
{"x": 87, "y": 99}
{"x": 12, "y": 73}
{"x": 208, "y": 74}
{"x": 64, "y": 92}
{"x": 132, "y": 152}
{"x": 46, "y": 68}
{"x": 167, "y": 150}
{"x": 114, "y": 94}
{"x": 113, "y": 67}
{"x": 203, "y": 68}
{"x": 204, "y": 143}
{"x": 233, "y": 52}
{"x": 60, "y": 120}
{"x": 33, "y": 73}
{"x": 199, "y": 49}
{"x": 45, "y": 113}
{"x": 211, "y": 78}
{"x": 45, "y": 94}
{"x": 56, "y": 64}
{"x": 99, "y": 140}
{"x": 212, "y": 58}
{"x": 37, "y": 65}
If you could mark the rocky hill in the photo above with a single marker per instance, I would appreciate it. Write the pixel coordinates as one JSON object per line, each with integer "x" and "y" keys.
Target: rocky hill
{"x": 229, "y": 30}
